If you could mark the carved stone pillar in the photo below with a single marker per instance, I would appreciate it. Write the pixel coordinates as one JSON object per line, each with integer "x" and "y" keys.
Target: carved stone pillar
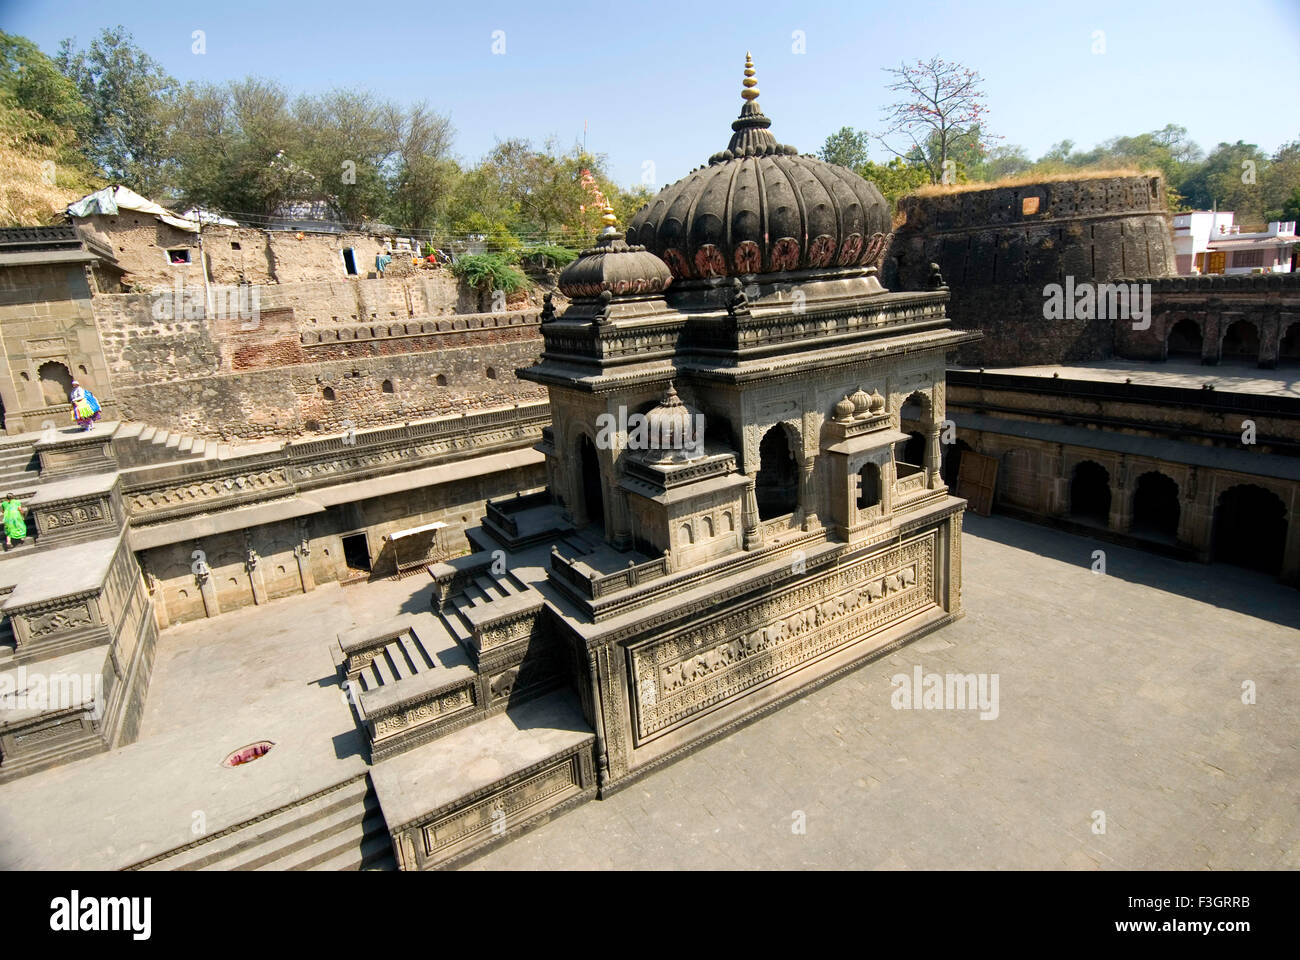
{"x": 152, "y": 584}
{"x": 208, "y": 590}
{"x": 620, "y": 519}
{"x": 807, "y": 493}
{"x": 1121, "y": 514}
{"x": 932, "y": 457}
{"x": 753, "y": 535}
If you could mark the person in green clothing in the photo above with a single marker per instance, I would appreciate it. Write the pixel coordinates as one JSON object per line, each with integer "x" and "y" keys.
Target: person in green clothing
{"x": 11, "y": 513}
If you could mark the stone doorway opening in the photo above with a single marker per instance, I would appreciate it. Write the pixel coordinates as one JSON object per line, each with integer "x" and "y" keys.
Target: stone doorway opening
{"x": 1156, "y": 508}
{"x": 776, "y": 488}
{"x": 1241, "y": 343}
{"x": 1090, "y": 493}
{"x": 1250, "y": 529}
{"x": 356, "y": 552}
{"x": 869, "y": 487}
{"x": 56, "y": 382}
{"x": 1288, "y": 353}
{"x": 593, "y": 492}
{"x": 1184, "y": 341}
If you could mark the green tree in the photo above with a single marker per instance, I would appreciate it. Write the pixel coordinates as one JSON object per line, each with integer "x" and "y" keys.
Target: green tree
{"x": 423, "y": 172}
{"x": 1230, "y": 178}
{"x": 130, "y": 98}
{"x": 29, "y": 80}
{"x": 348, "y": 145}
{"x": 847, "y": 147}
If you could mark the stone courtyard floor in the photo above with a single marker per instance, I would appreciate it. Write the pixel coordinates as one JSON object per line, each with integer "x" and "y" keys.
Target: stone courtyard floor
{"x": 1118, "y": 693}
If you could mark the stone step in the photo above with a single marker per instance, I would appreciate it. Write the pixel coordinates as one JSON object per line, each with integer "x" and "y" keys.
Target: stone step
{"x": 186, "y": 445}
{"x": 199, "y": 447}
{"x": 489, "y": 588}
{"x": 263, "y": 833}
{"x": 128, "y": 430}
{"x": 417, "y": 654}
{"x": 382, "y": 669}
{"x": 401, "y": 662}
{"x": 173, "y": 441}
{"x": 148, "y": 434}
{"x": 341, "y": 850}
{"x": 304, "y": 840}
{"x": 455, "y": 624}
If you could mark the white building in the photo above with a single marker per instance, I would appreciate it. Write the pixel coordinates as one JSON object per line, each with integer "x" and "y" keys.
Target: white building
{"x": 1207, "y": 241}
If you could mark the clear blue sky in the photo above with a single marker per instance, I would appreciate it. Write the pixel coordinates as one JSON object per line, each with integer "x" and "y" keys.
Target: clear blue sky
{"x": 659, "y": 83}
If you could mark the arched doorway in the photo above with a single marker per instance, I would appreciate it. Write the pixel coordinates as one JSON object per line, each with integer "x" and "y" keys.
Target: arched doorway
{"x": 56, "y": 382}
{"x": 1250, "y": 528}
{"x": 1288, "y": 352}
{"x": 1090, "y": 493}
{"x": 869, "y": 487}
{"x": 952, "y": 462}
{"x": 1185, "y": 341}
{"x": 593, "y": 491}
{"x": 1241, "y": 343}
{"x": 1155, "y": 506}
{"x": 776, "y": 488}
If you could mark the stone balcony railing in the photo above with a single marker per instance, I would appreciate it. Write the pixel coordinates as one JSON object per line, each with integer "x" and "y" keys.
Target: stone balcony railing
{"x": 594, "y": 587}
{"x": 170, "y": 491}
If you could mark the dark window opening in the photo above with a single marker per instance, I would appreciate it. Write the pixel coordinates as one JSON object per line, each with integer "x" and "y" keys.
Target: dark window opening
{"x": 356, "y": 552}
{"x": 1289, "y": 349}
{"x": 1185, "y": 340}
{"x": 910, "y": 456}
{"x": 593, "y": 493}
{"x": 441, "y": 380}
{"x": 1250, "y": 529}
{"x": 1090, "y": 493}
{"x": 349, "y": 261}
{"x": 178, "y": 256}
{"x": 234, "y": 245}
{"x": 1241, "y": 342}
{"x": 387, "y": 386}
{"x": 56, "y": 383}
{"x": 491, "y": 373}
{"x": 1155, "y": 507}
{"x": 869, "y": 487}
{"x": 776, "y": 488}
{"x": 327, "y": 393}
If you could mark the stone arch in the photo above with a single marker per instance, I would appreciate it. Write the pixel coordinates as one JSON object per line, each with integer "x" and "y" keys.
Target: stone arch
{"x": 1250, "y": 525}
{"x": 591, "y": 483}
{"x": 708, "y": 528}
{"x": 1155, "y": 506}
{"x": 1240, "y": 342}
{"x": 55, "y": 381}
{"x": 1185, "y": 340}
{"x": 687, "y": 535}
{"x": 776, "y": 486}
{"x": 869, "y": 486}
{"x": 1288, "y": 348}
{"x": 1090, "y": 493}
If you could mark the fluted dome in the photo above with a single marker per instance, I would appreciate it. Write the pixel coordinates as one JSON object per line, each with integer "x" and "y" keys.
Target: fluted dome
{"x": 616, "y": 266}
{"x": 675, "y": 431}
{"x": 759, "y": 207}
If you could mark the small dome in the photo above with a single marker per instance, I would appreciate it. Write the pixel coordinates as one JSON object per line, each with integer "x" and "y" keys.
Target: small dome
{"x": 844, "y": 410}
{"x": 614, "y": 266}
{"x": 674, "y": 431}
{"x": 861, "y": 402}
{"x": 877, "y": 402}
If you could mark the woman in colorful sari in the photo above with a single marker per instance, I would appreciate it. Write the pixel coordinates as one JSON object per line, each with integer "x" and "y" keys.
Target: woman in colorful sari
{"x": 85, "y": 408}
{"x": 11, "y": 514}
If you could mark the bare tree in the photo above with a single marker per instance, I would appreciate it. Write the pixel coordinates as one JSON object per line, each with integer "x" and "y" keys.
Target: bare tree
{"x": 941, "y": 113}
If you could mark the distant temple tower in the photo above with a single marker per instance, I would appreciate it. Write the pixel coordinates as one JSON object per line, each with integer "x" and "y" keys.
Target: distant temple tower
{"x": 809, "y": 527}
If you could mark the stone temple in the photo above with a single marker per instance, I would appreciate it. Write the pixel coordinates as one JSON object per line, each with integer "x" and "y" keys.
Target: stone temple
{"x": 729, "y": 516}
{"x": 735, "y": 509}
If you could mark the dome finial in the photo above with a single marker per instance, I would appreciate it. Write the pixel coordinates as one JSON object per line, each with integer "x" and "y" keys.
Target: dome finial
{"x": 608, "y": 218}
{"x": 750, "y": 91}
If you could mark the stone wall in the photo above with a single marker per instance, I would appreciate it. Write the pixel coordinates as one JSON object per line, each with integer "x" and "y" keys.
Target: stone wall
{"x": 999, "y": 248}
{"x": 316, "y": 357}
{"x": 1270, "y": 303}
{"x": 141, "y": 242}
{"x": 46, "y": 318}
{"x": 295, "y": 556}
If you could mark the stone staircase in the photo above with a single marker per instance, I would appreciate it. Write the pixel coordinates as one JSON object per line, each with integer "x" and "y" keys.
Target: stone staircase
{"x": 479, "y": 592}
{"x": 339, "y": 829}
{"x": 19, "y": 468}
{"x": 138, "y": 444}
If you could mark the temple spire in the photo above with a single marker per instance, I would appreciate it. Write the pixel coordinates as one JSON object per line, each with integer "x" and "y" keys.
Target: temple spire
{"x": 750, "y": 91}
